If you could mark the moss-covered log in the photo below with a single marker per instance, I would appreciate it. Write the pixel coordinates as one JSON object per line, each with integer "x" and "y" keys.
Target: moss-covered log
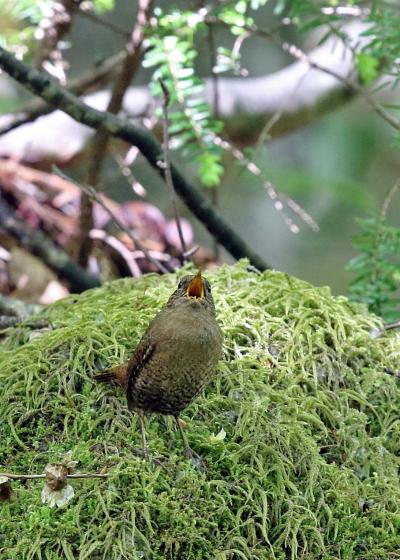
{"x": 300, "y": 431}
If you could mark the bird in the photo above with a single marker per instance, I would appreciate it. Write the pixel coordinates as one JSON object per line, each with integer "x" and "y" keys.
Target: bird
{"x": 175, "y": 358}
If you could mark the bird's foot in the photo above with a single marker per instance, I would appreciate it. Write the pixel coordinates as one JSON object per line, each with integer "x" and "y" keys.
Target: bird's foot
{"x": 181, "y": 423}
{"x": 159, "y": 460}
{"x": 142, "y": 452}
{"x": 195, "y": 459}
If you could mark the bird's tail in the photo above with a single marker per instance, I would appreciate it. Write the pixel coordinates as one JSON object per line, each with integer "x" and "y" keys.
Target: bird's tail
{"x": 118, "y": 374}
{"x": 106, "y": 376}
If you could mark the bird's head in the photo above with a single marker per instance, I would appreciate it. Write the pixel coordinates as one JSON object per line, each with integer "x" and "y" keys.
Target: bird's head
{"x": 193, "y": 288}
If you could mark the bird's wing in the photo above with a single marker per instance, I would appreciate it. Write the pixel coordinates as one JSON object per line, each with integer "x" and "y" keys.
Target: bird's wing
{"x": 140, "y": 358}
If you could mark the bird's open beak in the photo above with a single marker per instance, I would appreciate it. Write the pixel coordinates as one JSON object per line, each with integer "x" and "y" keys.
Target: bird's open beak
{"x": 196, "y": 288}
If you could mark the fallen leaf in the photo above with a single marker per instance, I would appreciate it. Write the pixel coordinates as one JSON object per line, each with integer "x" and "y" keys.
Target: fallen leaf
{"x": 220, "y": 436}
{"x": 6, "y": 493}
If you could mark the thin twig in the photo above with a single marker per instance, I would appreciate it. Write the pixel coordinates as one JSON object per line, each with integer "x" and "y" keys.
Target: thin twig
{"x": 13, "y": 476}
{"x": 265, "y": 132}
{"x": 190, "y": 252}
{"x": 17, "y": 173}
{"x": 390, "y": 326}
{"x": 303, "y": 110}
{"x": 377, "y": 333}
{"x": 167, "y": 169}
{"x": 278, "y": 199}
{"x": 124, "y": 164}
{"x": 94, "y": 196}
{"x": 297, "y": 53}
{"x": 120, "y": 248}
{"x": 388, "y": 199}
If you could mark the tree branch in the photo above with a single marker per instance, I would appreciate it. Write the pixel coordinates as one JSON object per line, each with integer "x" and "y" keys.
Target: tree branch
{"x": 352, "y": 85}
{"x": 36, "y": 108}
{"x": 53, "y": 93}
{"x": 41, "y": 246}
{"x": 13, "y": 311}
{"x": 244, "y": 104}
{"x": 17, "y": 308}
{"x": 100, "y": 143}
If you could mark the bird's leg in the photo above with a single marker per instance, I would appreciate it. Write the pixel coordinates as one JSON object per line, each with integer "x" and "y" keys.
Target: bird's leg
{"x": 186, "y": 449}
{"x": 188, "y": 452}
{"x": 143, "y": 434}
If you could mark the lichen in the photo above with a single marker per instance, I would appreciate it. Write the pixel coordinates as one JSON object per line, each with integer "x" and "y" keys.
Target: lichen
{"x": 305, "y": 397}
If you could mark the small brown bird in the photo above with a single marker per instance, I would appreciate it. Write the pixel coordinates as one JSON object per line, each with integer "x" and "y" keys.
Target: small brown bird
{"x": 175, "y": 358}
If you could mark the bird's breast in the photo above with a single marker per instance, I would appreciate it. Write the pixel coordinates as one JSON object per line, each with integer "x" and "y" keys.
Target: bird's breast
{"x": 187, "y": 351}
{"x": 190, "y": 330}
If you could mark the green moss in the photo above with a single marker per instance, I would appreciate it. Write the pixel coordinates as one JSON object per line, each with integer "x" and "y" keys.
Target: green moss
{"x": 309, "y": 465}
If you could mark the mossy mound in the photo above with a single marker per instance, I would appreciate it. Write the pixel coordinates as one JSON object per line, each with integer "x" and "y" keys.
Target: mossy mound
{"x": 309, "y": 464}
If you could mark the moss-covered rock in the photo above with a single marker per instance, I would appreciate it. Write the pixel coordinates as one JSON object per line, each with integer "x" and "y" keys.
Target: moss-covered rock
{"x": 300, "y": 431}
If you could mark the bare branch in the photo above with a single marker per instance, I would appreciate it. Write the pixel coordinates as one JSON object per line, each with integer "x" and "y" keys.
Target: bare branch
{"x": 47, "y": 181}
{"x": 16, "y": 310}
{"x": 36, "y": 108}
{"x": 245, "y": 104}
{"x": 53, "y": 93}
{"x": 120, "y": 248}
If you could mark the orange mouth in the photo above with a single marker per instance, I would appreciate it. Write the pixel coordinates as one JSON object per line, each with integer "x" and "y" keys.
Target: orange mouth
{"x": 196, "y": 288}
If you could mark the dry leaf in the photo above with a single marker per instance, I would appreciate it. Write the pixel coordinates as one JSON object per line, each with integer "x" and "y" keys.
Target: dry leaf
{"x": 57, "y": 491}
{"x": 6, "y": 493}
{"x": 53, "y": 292}
{"x": 172, "y": 236}
{"x": 220, "y": 436}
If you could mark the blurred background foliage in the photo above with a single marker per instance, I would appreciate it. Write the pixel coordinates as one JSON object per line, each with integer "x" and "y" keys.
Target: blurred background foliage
{"x": 339, "y": 169}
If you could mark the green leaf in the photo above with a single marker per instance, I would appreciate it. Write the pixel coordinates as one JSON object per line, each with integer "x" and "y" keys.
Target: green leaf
{"x": 367, "y": 66}
{"x": 377, "y": 267}
{"x": 255, "y": 4}
{"x": 280, "y": 7}
{"x": 241, "y": 7}
{"x": 104, "y": 5}
{"x": 210, "y": 168}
